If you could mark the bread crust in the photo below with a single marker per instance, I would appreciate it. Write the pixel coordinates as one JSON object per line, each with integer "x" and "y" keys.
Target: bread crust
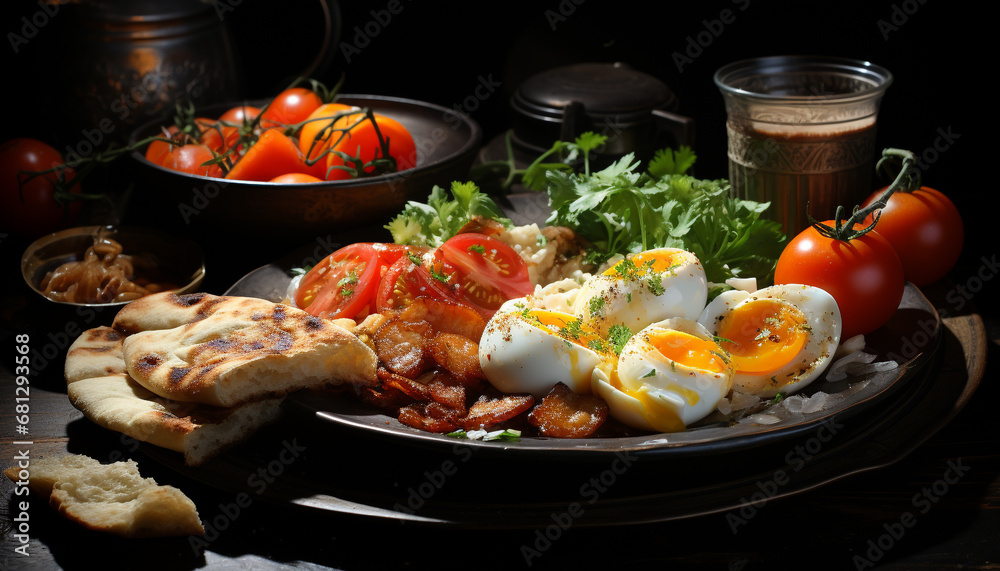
{"x": 226, "y": 351}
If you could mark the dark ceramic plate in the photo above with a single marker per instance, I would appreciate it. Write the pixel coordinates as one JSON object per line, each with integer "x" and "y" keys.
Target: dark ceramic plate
{"x": 913, "y": 330}
{"x": 332, "y": 468}
{"x": 331, "y": 456}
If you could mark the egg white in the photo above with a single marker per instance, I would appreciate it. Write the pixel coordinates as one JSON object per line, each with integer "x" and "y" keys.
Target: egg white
{"x": 520, "y": 356}
{"x": 650, "y": 391}
{"x": 646, "y": 297}
{"x": 822, "y": 327}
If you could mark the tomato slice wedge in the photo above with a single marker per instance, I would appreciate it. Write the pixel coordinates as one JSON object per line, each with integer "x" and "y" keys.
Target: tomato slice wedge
{"x": 483, "y": 271}
{"x": 343, "y": 284}
{"x": 405, "y": 281}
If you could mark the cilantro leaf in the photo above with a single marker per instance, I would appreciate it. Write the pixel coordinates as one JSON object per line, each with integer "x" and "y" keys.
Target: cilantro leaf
{"x": 443, "y": 215}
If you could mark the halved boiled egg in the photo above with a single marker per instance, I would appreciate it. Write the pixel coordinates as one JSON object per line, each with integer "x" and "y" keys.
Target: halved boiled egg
{"x": 528, "y": 350}
{"x": 780, "y": 338}
{"x": 668, "y": 376}
{"x": 644, "y": 288}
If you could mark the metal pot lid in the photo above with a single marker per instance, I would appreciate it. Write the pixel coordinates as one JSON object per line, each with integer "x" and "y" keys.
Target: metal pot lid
{"x": 604, "y": 90}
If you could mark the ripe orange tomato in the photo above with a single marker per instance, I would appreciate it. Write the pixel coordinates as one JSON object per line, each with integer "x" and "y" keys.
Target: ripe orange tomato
{"x": 362, "y": 142}
{"x": 295, "y": 178}
{"x": 319, "y": 120}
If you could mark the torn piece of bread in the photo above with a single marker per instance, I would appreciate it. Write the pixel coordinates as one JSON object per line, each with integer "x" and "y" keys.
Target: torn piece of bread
{"x": 225, "y": 351}
{"x": 99, "y": 386}
{"x": 112, "y": 498}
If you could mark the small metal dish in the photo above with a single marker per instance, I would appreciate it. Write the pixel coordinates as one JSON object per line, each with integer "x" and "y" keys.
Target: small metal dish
{"x": 179, "y": 258}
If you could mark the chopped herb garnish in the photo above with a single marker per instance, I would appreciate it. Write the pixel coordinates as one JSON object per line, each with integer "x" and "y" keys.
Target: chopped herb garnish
{"x": 417, "y": 260}
{"x": 443, "y": 278}
{"x": 596, "y": 306}
{"x": 778, "y": 397}
{"x": 618, "y": 335}
{"x": 479, "y": 248}
{"x": 572, "y": 329}
{"x": 764, "y": 334}
{"x": 596, "y": 345}
{"x": 300, "y": 271}
{"x": 651, "y": 372}
{"x": 655, "y": 285}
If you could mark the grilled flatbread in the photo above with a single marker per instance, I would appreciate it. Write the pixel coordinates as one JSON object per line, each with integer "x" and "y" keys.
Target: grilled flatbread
{"x": 100, "y": 387}
{"x": 226, "y": 351}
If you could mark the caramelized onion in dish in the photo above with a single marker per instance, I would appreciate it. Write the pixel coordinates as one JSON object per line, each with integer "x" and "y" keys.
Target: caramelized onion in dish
{"x": 104, "y": 275}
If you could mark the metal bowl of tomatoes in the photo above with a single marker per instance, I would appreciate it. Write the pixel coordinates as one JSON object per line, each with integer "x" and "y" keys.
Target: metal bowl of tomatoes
{"x": 256, "y": 202}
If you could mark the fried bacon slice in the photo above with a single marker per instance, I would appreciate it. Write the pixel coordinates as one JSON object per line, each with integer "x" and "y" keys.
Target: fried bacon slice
{"x": 446, "y": 316}
{"x": 412, "y": 388}
{"x": 459, "y": 356}
{"x": 384, "y": 398}
{"x": 429, "y": 417}
{"x": 565, "y": 414}
{"x": 449, "y": 391}
{"x": 490, "y": 411}
{"x": 402, "y": 346}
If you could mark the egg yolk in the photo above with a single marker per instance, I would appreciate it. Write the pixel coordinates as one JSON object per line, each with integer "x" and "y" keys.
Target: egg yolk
{"x": 763, "y": 335}
{"x": 565, "y": 326}
{"x": 638, "y": 265}
{"x": 688, "y": 350}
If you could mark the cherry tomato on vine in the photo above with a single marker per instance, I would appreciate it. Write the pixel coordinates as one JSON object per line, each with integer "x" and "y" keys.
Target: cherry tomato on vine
{"x": 483, "y": 271}
{"x": 362, "y": 142}
{"x": 192, "y": 159}
{"x": 291, "y": 107}
{"x": 315, "y": 136}
{"x": 158, "y": 150}
{"x": 863, "y": 274}
{"x": 343, "y": 284}
{"x": 29, "y": 205}
{"x": 926, "y": 230}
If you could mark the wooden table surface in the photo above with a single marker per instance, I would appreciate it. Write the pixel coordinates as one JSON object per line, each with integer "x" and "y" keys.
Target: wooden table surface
{"x": 934, "y": 509}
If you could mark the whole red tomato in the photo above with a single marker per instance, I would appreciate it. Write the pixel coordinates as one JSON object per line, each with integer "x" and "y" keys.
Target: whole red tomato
{"x": 863, "y": 274}
{"x": 291, "y": 107}
{"x": 925, "y": 229}
{"x": 29, "y": 206}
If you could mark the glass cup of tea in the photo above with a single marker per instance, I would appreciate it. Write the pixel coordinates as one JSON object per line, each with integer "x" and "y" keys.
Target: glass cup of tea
{"x": 801, "y": 131}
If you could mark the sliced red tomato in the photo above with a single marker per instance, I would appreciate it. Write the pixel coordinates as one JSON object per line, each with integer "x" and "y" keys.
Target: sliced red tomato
{"x": 405, "y": 281}
{"x": 483, "y": 271}
{"x": 342, "y": 285}
{"x": 389, "y": 252}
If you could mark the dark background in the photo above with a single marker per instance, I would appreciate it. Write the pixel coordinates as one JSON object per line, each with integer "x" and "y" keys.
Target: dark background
{"x": 439, "y": 52}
